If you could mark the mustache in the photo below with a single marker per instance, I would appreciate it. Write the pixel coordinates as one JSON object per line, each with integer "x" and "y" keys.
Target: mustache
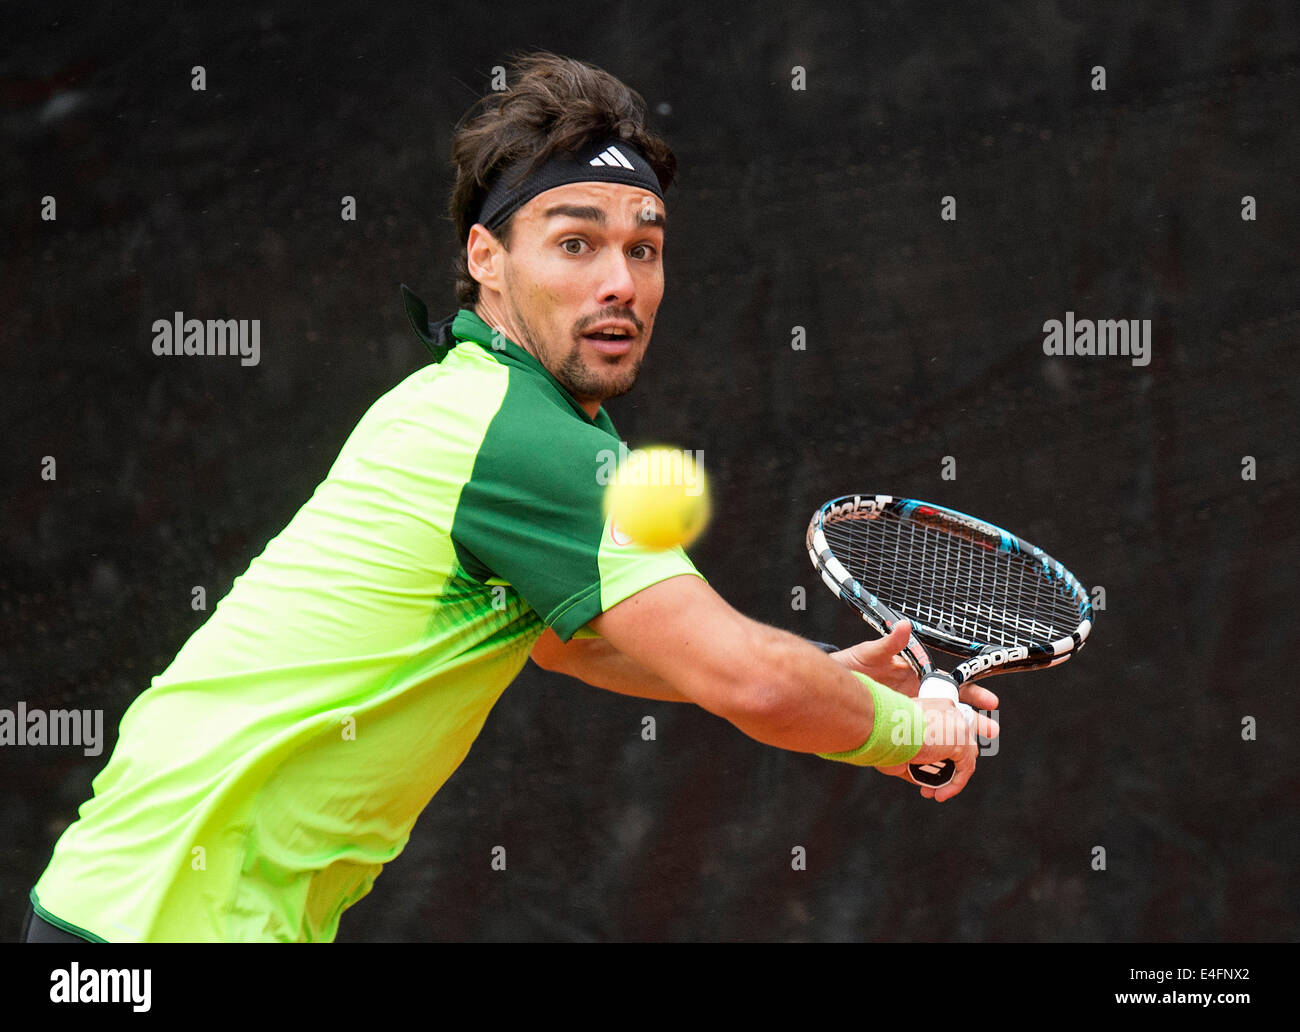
{"x": 611, "y": 317}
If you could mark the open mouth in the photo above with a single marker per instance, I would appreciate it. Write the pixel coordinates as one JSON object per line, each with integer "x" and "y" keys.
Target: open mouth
{"x": 613, "y": 344}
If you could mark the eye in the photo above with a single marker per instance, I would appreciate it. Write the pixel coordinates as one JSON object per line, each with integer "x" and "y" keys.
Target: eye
{"x": 650, "y": 249}
{"x": 572, "y": 240}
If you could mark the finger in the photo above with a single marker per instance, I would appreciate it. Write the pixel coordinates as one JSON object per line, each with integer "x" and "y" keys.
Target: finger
{"x": 986, "y": 727}
{"x": 965, "y": 768}
{"x": 896, "y": 640}
{"x": 978, "y": 696}
{"x": 959, "y": 723}
{"x": 891, "y": 644}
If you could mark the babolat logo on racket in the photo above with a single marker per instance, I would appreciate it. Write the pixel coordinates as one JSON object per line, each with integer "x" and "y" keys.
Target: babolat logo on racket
{"x": 953, "y": 522}
{"x": 859, "y": 508}
{"x": 997, "y": 658}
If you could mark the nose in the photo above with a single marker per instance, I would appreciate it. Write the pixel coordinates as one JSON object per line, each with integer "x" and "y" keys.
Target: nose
{"x": 617, "y": 284}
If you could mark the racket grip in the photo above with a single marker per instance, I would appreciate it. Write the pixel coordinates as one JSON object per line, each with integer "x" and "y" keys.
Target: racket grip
{"x": 935, "y": 775}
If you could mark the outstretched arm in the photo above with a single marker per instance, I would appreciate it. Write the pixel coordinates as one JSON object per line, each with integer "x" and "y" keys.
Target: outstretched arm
{"x": 679, "y": 640}
{"x": 774, "y": 686}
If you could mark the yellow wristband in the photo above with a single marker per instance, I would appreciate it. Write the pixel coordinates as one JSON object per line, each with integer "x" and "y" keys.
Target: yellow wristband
{"x": 897, "y": 729}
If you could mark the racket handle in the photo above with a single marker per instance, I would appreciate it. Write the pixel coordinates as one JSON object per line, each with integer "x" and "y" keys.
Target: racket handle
{"x": 936, "y": 775}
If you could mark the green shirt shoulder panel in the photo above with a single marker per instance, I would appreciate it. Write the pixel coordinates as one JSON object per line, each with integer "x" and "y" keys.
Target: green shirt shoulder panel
{"x": 531, "y": 514}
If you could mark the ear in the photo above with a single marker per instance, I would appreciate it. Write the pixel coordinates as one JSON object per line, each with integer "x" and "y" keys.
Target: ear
{"x": 483, "y": 256}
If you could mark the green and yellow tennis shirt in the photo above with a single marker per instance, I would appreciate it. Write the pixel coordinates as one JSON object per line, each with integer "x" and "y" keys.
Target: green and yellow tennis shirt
{"x": 263, "y": 780}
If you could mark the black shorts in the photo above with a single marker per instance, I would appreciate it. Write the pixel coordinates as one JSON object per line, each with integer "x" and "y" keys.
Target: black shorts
{"x": 37, "y": 929}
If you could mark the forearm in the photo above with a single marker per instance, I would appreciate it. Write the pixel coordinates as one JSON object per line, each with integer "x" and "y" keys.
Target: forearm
{"x": 818, "y": 701}
{"x": 835, "y": 700}
{"x": 679, "y": 639}
{"x": 793, "y": 696}
{"x": 773, "y": 686}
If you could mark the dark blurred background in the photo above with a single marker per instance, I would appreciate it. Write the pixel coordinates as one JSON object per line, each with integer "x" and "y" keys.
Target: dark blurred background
{"x": 818, "y": 208}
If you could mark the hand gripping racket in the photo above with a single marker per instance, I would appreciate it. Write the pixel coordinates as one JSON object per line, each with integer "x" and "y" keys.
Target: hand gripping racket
{"x": 969, "y": 588}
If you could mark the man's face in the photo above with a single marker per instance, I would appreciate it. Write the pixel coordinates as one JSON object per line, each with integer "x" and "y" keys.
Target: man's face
{"x": 584, "y": 259}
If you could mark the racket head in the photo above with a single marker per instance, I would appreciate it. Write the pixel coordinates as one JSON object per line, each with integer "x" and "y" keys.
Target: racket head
{"x": 968, "y": 587}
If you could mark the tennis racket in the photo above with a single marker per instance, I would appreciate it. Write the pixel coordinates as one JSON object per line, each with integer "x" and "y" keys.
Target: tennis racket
{"x": 969, "y": 588}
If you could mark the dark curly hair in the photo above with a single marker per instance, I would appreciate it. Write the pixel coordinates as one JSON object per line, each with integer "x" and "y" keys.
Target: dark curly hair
{"x": 553, "y": 105}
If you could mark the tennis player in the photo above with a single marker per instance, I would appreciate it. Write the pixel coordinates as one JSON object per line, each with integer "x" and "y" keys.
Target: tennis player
{"x": 263, "y": 780}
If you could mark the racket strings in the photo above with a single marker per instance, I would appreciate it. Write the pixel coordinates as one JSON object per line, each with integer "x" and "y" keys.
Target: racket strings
{"x": 946, "y": 582}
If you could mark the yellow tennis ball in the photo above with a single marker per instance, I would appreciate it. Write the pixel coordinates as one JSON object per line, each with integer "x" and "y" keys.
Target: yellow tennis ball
{"x": 658, "y": 498}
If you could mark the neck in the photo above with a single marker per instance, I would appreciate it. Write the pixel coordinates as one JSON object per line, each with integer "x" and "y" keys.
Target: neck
{"x": 491, "y": 314}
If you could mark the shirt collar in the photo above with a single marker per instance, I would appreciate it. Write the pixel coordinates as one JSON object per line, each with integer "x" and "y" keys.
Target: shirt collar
{"x": 436, "y": 338}
{"x": 441, "y": 337}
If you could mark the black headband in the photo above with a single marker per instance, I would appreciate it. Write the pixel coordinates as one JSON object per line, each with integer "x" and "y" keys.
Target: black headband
{"x": 614, "y": 161}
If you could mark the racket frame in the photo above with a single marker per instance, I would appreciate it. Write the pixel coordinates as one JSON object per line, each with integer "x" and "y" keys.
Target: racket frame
{"x": 985, "y": 660}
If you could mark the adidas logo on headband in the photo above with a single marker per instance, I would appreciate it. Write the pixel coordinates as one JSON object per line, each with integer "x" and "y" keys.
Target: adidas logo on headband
{"x": 611, "y": 157}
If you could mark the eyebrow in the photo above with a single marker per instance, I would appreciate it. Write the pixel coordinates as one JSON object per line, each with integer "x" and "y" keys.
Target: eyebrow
{"x": 590, "y": 213}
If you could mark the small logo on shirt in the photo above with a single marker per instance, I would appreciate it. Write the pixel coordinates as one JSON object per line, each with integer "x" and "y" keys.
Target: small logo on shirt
{"x": 617, "y": 535}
